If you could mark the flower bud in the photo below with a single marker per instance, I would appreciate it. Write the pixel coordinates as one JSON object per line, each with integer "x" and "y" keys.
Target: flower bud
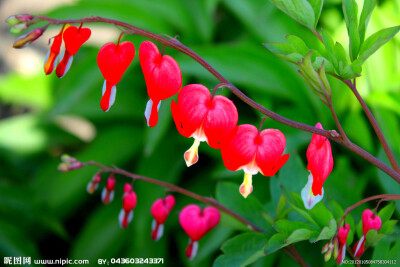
{"x": 328, "y": 254}
{"x": 126, "y": 213}
{"x": 108, "y": 192}
{"x": 94, "y": 183}
{"x": 28, "y": 38}
{"x": 16, "y": 19}
{"x": 68, "y": 159}
{"x": 16, "y": 29}
{"x": 335, "y": 249}
{"x": 66, "y": 167}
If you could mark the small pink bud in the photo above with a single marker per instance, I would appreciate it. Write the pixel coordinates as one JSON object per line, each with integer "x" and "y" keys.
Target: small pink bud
{"x": 28, "y": 38}
{"x": 63, "y": 167}
{"x": 343, "y": 232}
{"x": 68, "y": 159}
{"x": 160, "y": 211}
{"x": 16, "y": 19}
{"x": 126, "y": 214}
{"x": 94, "y": 183}
{"x": 127, "y": 188}
{"x": 66, "y": 167}
{"x": 108, "y": 192}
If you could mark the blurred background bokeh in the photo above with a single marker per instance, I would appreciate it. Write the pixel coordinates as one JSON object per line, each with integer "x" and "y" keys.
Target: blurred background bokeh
{"x": 45, "y": 214}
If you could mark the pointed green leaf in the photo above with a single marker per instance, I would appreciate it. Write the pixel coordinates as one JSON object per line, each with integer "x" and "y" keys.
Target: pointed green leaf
{"x": 340, "y": 53}
{"x": 242, "y": 250}
{"x": 388, "y": 227}
{"x": 368, "y": 7}
{"x": 350, "y": 10}
{"x": 299, "y": 235}
{"x": 293, "y": 51}
{"x": 328, "y": 231}
{"x": 276, "y": 242}
{"x": 354, "y": 40}
{"x": 387, "y": 212}
{"x": 317, "y": 7}
{"x": 376, "y": 40}
{"x": 288, "y": 227}
{"x": 299, "y": 10}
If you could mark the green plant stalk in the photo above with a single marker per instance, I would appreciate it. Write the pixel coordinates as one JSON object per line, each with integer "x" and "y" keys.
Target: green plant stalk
{"x": 175, "y": 44}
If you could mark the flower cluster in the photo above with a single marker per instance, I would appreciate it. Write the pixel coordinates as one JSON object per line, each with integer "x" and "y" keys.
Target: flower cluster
{"x": 194, "y": 221}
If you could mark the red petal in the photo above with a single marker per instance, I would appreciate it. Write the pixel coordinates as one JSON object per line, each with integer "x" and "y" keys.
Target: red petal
{"x": 239, "y": 148}
{"x": 162, "y": 74}
{"x": 192, "y": 223}
{"x": 221, "y": 119}
{"x": 113, "y": 60}
{"x": 74, "y": 38}
{"x": 270, "y": 146}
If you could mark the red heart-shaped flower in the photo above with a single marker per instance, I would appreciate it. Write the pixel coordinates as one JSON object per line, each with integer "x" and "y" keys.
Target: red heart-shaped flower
{"x": 196, "y": 222}
{"x": 74, "y": 38}
{"x": 370, "y": 221}
{"x": 161, "y": 208}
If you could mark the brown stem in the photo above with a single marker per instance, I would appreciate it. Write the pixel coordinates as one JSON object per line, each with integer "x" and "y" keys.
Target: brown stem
{"x": 290, "y": 250}
{"x": 342, "y": 133}
{"x": 375, "y": 125}
{"x": 174, "y": 43}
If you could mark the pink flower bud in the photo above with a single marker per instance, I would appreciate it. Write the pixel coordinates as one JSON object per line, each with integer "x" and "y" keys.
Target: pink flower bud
{"x": 126, "y": 213}
{"x": 343, "y": 232}
{"x": 28, "y": 38}
{"x": 127, "y": 188}
{"x": 16, "y": 19}
{"x": 108, "y": 192}
{"x": 160, "y": 211}
{"x": 94, "y": 183}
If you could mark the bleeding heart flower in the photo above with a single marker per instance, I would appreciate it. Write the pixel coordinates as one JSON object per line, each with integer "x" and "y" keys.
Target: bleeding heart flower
{"x": 113, "y": 60}
{"x": 163, "y": 78}
{"x": 108, "y": 191}
{"x": 129, "y": 203}
{"x": 247, "y": 149}
{"x": 320, "y": 164}
{"x": 73, "y": 38}
{"x": 370, "y": 221}
{"x": 203, "y": 117}
{"x": 196, "y": 223}
{"x": 94, "y": 183}
{"x": 52, "y": 54}
{"x": 160, "y": 211}
{"x": 342, "y": 234}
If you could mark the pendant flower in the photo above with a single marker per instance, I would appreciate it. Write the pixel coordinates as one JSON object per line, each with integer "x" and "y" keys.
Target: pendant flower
{"x": 160, "y": 211}
{"x": 163, "y": 78}
{"x": 113, "y": 60}
{"x": 74, "y": 38}
{"x": 342, "y": 234}
{"x": 196, "y": 223}
{"x": 108, "y": 191}
{"x": 370, "y": 221}
{"x": 247, "y": 149}
{"x": 129, "y": 203}
{"x": 94, "y": 183}
{"x": 203, "y": 117}
{"x": 52, "y": 54}
{"x": 320, "y": 164}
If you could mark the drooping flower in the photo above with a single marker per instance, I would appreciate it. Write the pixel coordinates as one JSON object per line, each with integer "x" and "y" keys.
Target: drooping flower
{"x": 53, "y": 53}
{"x": 113, "y": 60}
{"x": 196, "y": 223}
{"x": 163, "y": 78}
{"x": 369, "y": 221}
{"x": 94, "y": 183}
{"x": 342, "y": 234}
{"x": 129, "y": 203}
{"x": 320, "y": 164}
{"x": 108, "y": 191}
{"x": 203, "y": 117}
{"x": 73, "y": 38}
{"x": 160, "y": 211}
{"x": 247, "y": 149}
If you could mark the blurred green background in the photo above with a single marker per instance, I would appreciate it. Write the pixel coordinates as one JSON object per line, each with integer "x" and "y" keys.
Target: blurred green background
{"x": 45, "y": 214}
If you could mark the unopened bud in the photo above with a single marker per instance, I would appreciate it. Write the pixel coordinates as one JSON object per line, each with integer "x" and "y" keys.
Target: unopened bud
{"x": 28, "y": 38}
{"x": 68, "y": 159}
{"x": 16, "y": 19}
{"x": 336, "y": 249}
{"x": 63, "y": 167}
{"x": 325, "y": 248}
{"x": 328, "y": 254}
{"x": 66, "y": 167}
{"x": 18, "y": 28}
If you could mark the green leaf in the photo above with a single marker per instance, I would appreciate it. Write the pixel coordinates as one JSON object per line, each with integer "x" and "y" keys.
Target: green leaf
{"x": 350, "y": 10}
{"x": 276, "y": 242}
{"x": 340, "y": 54}
{"x": 328, "y": 231}
{"x": 288, "y": 227}
{"x": 250, "y": 208}
{"x": 373, "y": 237}
{"x": 299, "y": 235}
{"x": 299, "y": 10}
{"x": 242, "y": 250}
{"x": 317, "y": 7}
{"x": 280, "y": 209}
{"x": 366, "y": 12}
{"x": 387, "y": 212}
{"x": 354, "y": 40}
{"x": 376, "y": 40}
{"x": 293, "y": 51}
{"x": 388, "y": 227}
